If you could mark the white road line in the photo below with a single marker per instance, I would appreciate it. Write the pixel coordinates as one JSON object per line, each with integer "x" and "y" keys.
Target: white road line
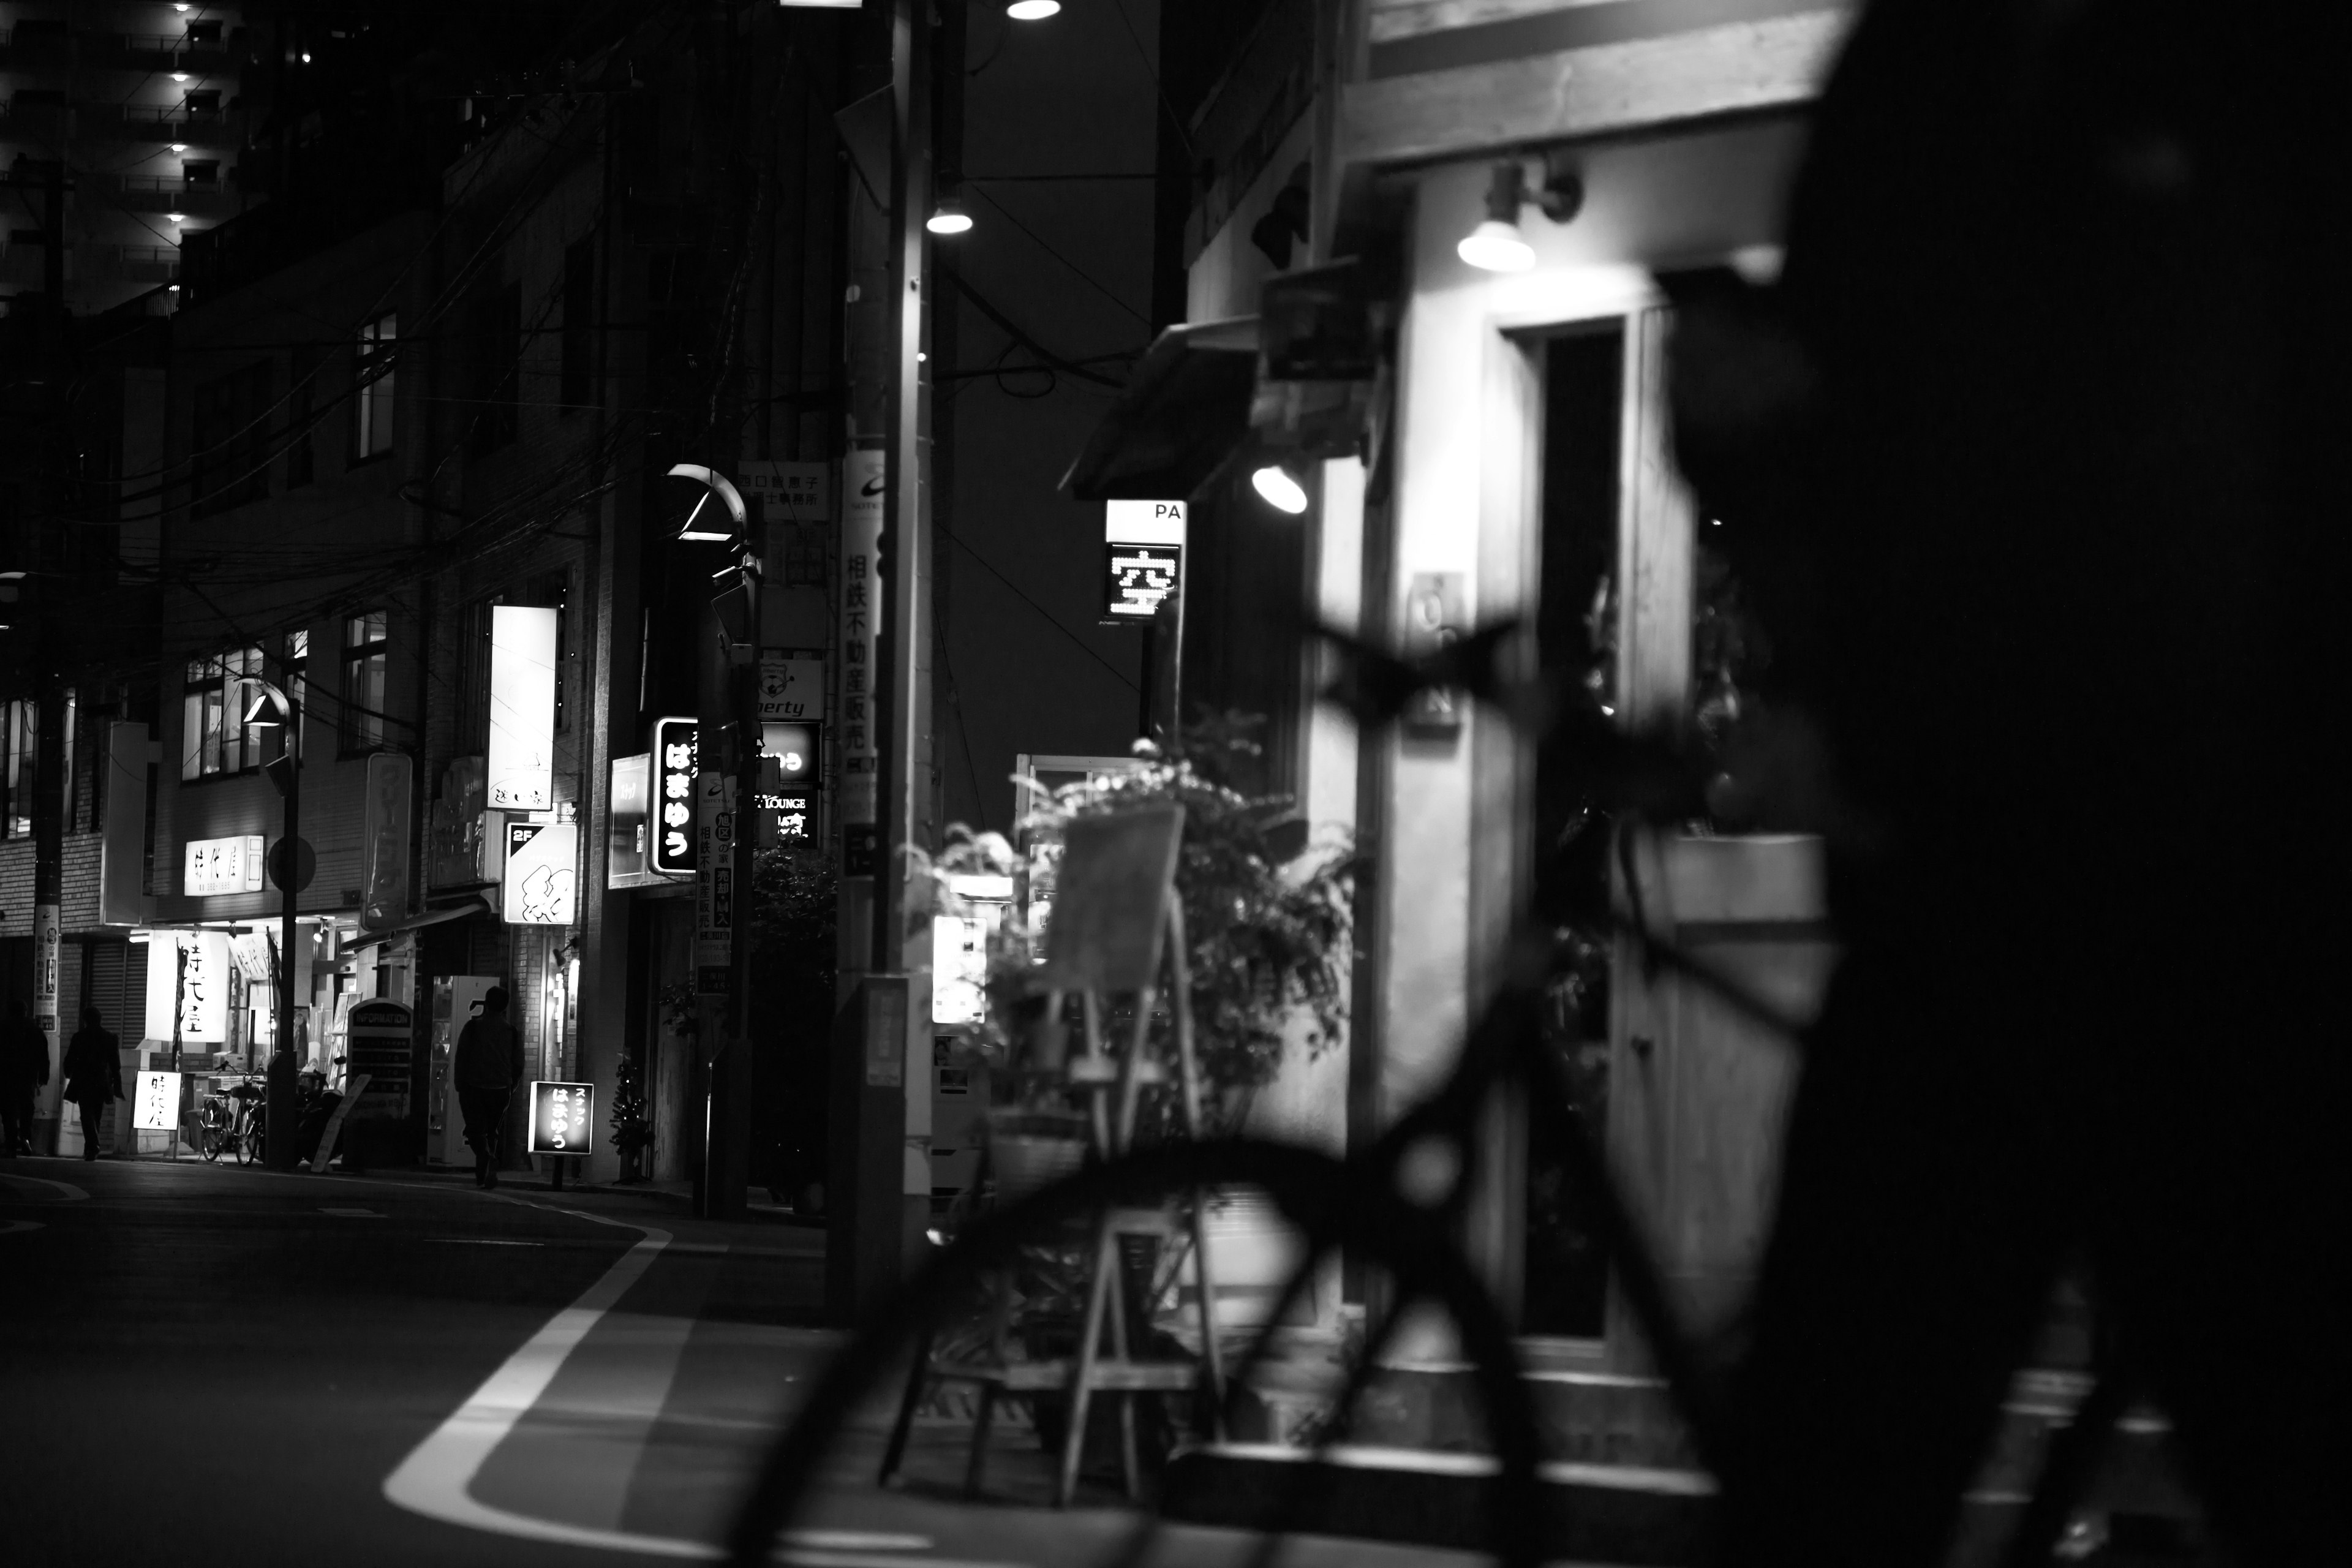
{"x": 480, "y": 1241}
{"x": 353, "y": 1213}
{"x": 437, "y": 1479}
{"x": 65, "y": 1191}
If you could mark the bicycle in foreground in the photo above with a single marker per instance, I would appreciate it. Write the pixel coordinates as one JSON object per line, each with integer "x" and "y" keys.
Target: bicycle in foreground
{"x": 1393, "y": 1210}
{"x": 230, "y": 1122}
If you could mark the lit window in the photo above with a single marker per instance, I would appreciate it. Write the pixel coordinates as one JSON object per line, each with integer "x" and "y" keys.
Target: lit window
{"x": 366, "y": 645}
{"x": 374, "y": 405}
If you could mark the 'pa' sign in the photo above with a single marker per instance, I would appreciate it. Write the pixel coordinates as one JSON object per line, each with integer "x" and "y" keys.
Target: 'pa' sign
{"x": 1144, "y": 557}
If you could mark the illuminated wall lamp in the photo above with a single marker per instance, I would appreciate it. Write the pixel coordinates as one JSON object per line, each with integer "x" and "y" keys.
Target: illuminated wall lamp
{"x": 714, "y": 483}
{"x": 949, "y": 217}
{"x": 1032, "y": 10}
{"x": 1278, "y": 485}
{"x": 1496, "y": 244}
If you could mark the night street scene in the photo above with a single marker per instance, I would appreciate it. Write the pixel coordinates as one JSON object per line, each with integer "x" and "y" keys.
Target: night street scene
{"x": 1173, "y": 784}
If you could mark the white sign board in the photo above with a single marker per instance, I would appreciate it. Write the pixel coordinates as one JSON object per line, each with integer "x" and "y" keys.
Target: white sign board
{"x": 714, "y": 882}
{"x": 791, "y": 689}
{"x": 520, "y": 770}
{"x": 1143, "y": 554}
{"x": 202, "y": 991}
{"x": 157, "y": 1102}
{"x": 540, "y": 885}
{"x": 216, "y": 866}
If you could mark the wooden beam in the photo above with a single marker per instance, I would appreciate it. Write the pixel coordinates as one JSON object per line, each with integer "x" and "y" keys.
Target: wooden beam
{"x": 1612, "y": 89}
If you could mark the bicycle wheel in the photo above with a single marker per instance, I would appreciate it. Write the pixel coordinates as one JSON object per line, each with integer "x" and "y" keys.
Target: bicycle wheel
{"x": 249, "y": 1143}
{"x": 1329, "y": 1206}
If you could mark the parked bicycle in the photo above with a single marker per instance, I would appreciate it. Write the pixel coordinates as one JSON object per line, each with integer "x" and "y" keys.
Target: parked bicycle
{"x": 232, "y": 1122}
{"x": 1393, "y": 1209}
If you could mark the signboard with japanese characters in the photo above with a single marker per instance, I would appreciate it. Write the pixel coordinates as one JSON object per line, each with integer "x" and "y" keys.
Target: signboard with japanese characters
{"x": 862, "y": 485}
{"x": 201, "y": 990}
{"x": 562, "y": 1117}
{"x": 521, "y": 768}
{"x": 540, "y": 884}
{"x": 216, "y": 866}
{"x": 675, "y": 755}
{"x": 1143, "y": 559}
{"x": 714, "y": 882}
{"x": 157, "y": 1102}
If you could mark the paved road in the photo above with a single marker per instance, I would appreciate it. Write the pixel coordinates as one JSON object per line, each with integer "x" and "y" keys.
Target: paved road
{"x": 202, "y": 1365}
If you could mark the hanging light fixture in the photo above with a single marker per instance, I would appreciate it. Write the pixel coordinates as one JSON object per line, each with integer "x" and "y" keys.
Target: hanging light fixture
{"x": 948, "y": 216}
{"x": 1279, "y": 487}
{"x": 1496, "y": 244}
{"x": 1032, "y": 10}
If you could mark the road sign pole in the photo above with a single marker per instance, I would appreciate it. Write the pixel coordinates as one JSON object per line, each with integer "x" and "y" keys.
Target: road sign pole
{"x": 285, "y": 1111}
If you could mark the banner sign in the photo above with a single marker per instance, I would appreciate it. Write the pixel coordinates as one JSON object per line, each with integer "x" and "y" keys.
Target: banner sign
{"x": 1143, "y": 558}
{"x": 522, "y": 706}
{"x": 157, "y": 1099}
{"x": 714, "y": 883}
{"x": 202, "y": 991}
{"x": 674, "y": 756}
{"x": 540, "y": 888}
{"x": 216, "y": 866}
{"x": 562, "y": 1118}
{"x": 790, "y": 689}
{"x": 863, "y": 502}
{"x": 383, "y": 841}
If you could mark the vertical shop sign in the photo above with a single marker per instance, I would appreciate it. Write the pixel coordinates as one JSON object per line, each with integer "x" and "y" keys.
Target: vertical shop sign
{"x": 675, "y": 757}
{"x": 862, "y": 506}
{"x": 562, "y": 1117}
{"x": 202, "y": 991}
{"x": 714, "y": 882}
{"x": 385, "y": 840}
{"x": 540, "y": 888}
{"x": 522, "y": 706}
{"x": 45, "y": 971}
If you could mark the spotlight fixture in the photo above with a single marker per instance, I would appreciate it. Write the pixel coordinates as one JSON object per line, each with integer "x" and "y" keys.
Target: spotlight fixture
{"x": 172, "y": 289}
{"x": 948, "y": 216}
{"x": 1032, "y": 10}
{"x": 1496, "y": 244}
{"x": 177, "y": 217}
{"x": 1279, "y": 489}
{"x": 180, "y": 76}
{"x": 179, "y": 146}
{"x": 718, "y": 531}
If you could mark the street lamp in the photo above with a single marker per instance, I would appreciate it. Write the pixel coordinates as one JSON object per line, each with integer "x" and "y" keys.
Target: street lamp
{"x": 272, "y": 709}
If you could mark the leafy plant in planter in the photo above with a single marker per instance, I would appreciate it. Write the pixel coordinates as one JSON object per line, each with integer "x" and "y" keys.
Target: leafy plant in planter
{"x": 632, "y": 1135}
{"x": 1267, "y": 917}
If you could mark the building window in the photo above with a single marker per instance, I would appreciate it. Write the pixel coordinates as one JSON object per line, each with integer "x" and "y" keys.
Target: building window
{"x": 301, "y": 397}
{"x": 365, "y": 650}
{"x": 203, "y": 173}
{"x": 230, "y": 461}
{"x": 578, "y": 323}
{"x": 23, "y": 741}
{"x": 202, "y": 33}
{"x": 213, "y": 739}
{"x": 498, "y": 354}
{"x": 204, "y": 101}
{"x": 372, "y": 408}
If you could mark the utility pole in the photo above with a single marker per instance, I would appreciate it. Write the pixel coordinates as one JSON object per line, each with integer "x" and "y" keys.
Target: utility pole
{"x": 878, "y": 1188}
{"x": 48, "y": 695}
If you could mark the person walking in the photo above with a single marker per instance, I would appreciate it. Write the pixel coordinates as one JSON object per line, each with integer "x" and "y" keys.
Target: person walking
{"x": 24, "y": 1069}
{"x": 485, "y": 1068}
{"x": 93, "y": 1072}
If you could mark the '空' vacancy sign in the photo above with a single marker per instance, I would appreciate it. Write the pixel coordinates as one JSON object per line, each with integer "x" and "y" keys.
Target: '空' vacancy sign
{"x": 1143, "y": 559}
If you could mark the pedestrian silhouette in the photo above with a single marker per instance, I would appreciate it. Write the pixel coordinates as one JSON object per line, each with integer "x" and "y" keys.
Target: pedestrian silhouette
{"x": 485, "y": 1068}
{"x": 93, "y": 1076}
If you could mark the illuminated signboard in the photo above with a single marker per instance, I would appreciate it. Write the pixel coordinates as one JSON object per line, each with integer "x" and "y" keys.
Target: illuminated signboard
{"x": 672, "y": 807}
{"x": 158, "y": 1103}
{"x": 794, "y": 747}
{"x": 216, "y": 866}
{"x": 522, "y": 762}
{"x": 562, "y": 1117}
{"x": 540, "y": 888}
{"x": 201, "y": 990}
{"x": 1143, "y": 558}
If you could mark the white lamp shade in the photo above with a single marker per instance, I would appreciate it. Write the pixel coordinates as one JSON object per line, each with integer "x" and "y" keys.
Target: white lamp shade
{"x": 1495, "y": 247}
{"x": 1032, "y": 10}
{"x": 1279, "y": 489}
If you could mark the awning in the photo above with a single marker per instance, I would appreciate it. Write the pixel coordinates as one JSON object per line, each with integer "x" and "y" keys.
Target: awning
{"x": 1183, "y": 412}
{"x": 429, "y": 918}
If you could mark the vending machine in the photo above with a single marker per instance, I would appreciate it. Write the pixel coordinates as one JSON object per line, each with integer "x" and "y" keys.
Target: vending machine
{"x": 456, "y": 999}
